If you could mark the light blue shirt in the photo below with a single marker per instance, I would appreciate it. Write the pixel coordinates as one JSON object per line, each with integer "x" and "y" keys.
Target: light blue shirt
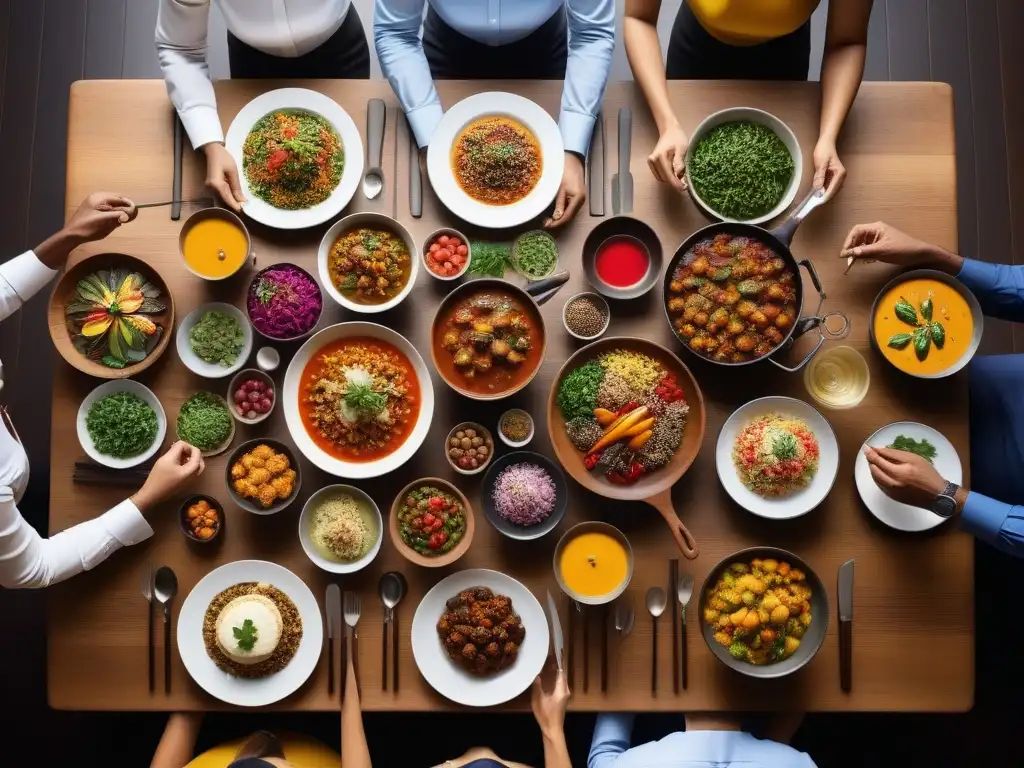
{"x": 690, "y": 749}
{"x": 396, "y": 34}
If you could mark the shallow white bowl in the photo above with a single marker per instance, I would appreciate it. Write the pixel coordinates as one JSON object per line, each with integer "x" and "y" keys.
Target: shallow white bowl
{"x": 301, "y": 99}
{"x": 424, "y": 255}
{"x": 491, "y": 104}
{"x": 750, "y": 115}
{"x": 517, "y": 443}
{"x": 376, "y": 221}
{"x": 109, "y": 388}
{"x": 192, "y": 360}
{"x": 290, "y": 402}
{"x": 306, "y": 519}
{"x": 241, "y": 691}
{"x": 799, "y": 502}
{"x": 451, "y": 680}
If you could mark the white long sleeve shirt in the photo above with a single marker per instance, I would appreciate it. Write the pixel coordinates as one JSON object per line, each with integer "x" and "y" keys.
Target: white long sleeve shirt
{"x": 26, "y": 558}
{"x": 285, "y": 28}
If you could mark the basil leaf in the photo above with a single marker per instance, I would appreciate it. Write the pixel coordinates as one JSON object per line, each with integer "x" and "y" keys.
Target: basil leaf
{"x": 904, "y": 311}
{"x": 900, "y": 340}
{"x": 926, "y": 309}
{"x": 938, "y": 334}
{"x": 922, "y": 341}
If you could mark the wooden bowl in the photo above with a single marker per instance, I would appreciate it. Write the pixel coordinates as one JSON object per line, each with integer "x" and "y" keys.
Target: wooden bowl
{"x": 65, "y": 289}
{"x": 248, "y": 504}
{"x": 411, "y": 554}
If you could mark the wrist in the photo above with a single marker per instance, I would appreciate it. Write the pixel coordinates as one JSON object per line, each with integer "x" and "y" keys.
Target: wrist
{"x": 212, "y": 147}
{"x": 666, "y": 121}
{"x": 143, "y": 500}
{"x": 55, "y": 249}
{"x": 943, "y": 260}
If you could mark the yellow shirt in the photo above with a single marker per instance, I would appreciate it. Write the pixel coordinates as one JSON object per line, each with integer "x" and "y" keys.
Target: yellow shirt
{"x": 748, "y": 22}
{"x": 301, "y": 751}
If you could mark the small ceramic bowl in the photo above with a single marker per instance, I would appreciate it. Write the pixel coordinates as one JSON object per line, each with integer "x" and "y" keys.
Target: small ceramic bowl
{"x": 306, "y": 520}
{"x": 248, "y": 504}
{"x": 513, "y": 530}
{"x": 223, "y": 214}
{"x": 516, "y": 443}
{"x": 411, "y": 554}
{"x": 196, "y": 364}
{"x": 426, "y": 253}
{"x": 515, "y": 255}
{"x": 186, "y": 528}
{"x": 253, "y": 288}
{"x": 599, "y": 301}
{"x": 217, "y": 449}
{"x": 268, "y": 359}
{"x": 236, "y": 382}
{"x": 483, "y": 432}
{"x": 593, "y": 526}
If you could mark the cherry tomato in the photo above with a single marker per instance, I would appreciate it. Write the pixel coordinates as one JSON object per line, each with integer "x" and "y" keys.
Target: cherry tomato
{"x": 240, "y": 395}
{"x": 434, "y": 246}
{"x": 443, "y": 240}
{"x": 454, "y": 242}
{"x": 436, "y": 504}
{"x": 462, "y": 250}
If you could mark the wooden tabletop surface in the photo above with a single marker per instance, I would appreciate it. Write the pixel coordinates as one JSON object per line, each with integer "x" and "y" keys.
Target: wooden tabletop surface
{"x": 913, "y": 634}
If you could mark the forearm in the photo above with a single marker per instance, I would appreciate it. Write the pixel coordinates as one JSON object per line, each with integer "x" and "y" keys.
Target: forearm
{"x": 994, "y": 522}
{"x": 556, "y": 752}
{"x": 841, "y": 73}
{"x": 178, "y": 743}
{"x": 181, "y": 45}
{"x": 55, "y": 249}
{"x": 355, "y": 752}
{"x": 643, "y": 49}
{"x": 591, "y": 44}
{"x": 999, "y": 288}
{"x": 612, "y": 734}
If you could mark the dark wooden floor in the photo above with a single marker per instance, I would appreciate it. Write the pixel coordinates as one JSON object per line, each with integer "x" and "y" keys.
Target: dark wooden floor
{"x": 45, "y": 45}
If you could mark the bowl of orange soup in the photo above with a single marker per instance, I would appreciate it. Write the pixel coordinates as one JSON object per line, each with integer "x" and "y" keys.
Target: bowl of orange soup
{"x": 214, "y": 243}
{"x": 593, "y": 562}
{"x": 926, "y": 323}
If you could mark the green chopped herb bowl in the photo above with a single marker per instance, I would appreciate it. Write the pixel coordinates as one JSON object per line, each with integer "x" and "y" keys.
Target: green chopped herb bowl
{"x": 520, "y": 259}
{"x": 204, "y": 368}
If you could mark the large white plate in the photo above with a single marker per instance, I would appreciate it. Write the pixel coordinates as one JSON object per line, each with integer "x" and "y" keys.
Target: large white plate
{"x": 120, "y": 385}
{"x": 895, "y": 514}
{"x": 495, "y": 103}
{"x": 795, "y": 504}
{"x": 451, "y": 680}
{"x": 241, "y": 691}
{"x": 351, "y": 142}
{"x": 354, "y": 470}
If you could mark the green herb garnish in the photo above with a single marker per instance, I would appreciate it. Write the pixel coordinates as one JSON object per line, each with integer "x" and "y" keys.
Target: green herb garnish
{"x": 938, "y": 334}
{"x": 121, "y": 425}
{"x": 900, "y": 340}
{"x": 577, "y": 396}
{"x": 217, "y": 338}
{"x": 265, "y": 291}
{"x": 922, "y": 447}
{"x": 536, "y": 255}
{"x": 204, "y": 421}
{"x": 246, "y": 635}
{"x": 363, "y": 398}
{"x": 488, "y": 259}
{"x": 926, "y": 309}
{"x": 905, "y": 311}
{"x": 926, "y": 331}
{"x": 784, "y": 446}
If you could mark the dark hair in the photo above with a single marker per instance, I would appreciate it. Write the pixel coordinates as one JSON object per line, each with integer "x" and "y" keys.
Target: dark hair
{"x": 260, "y": 744}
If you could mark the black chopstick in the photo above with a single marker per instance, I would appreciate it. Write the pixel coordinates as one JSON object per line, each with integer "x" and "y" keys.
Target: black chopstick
{"x": 179, "y": 130}
{"x": 394, "y": 645}
{"x": 673, "y": 598}
{"x": 604, "y": 649}
{"x": 586, "y": 650}
{"x": 384, "y": 656}
{"x": 570, "y": 656}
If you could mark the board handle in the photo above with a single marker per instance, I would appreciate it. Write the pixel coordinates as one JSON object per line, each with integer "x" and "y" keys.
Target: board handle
{"x": 684, "y": 539}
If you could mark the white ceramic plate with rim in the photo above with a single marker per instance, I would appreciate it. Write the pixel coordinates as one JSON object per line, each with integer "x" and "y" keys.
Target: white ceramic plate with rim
{"x": 794, "y": 504}
{"x": 451, "y": 680}
{"x": 496, "y": 104}
{"x": 196, "y": 364}
{"x": 355, "y": 470}
{"x": 121, "y": 385}
{"x": 240, "y": 691}
{"x": 895, "y": 514}
{"x": 305, "y": 524}
{"x": 750, "y": 115}
{"x": 298, "y": 99}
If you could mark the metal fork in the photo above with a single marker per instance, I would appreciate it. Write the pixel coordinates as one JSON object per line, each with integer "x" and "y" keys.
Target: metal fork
{"x": 352, "y": 609}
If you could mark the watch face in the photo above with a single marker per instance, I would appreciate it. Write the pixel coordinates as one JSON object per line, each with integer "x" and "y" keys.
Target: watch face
{"x": 944, "y": 506}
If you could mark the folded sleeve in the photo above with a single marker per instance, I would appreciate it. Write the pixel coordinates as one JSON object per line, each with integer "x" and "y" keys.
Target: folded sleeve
{"x": 591, "y": 43}
{"x": 396, "y": 36}
{"x": 181, "y": 45}
{"x": 21, "y": 278}
{"x": 612, "y": 734}
{"x": 994, "y": 522}
{"x": 999, "y": 288}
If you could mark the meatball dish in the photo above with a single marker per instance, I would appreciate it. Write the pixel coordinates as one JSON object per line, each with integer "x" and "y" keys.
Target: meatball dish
{"x": 481, "y": 631}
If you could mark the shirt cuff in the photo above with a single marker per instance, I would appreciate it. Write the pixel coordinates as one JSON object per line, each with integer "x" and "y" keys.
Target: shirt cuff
{"x": 424, "y": 121}
{"x": 126, "y": 524}
{"x": 26, "y": 274}
{"x": 202, "y": 124}
{"x": 983, "y": 516}
{"x": 576, "y": 129}
{"x": 976, "y": 275}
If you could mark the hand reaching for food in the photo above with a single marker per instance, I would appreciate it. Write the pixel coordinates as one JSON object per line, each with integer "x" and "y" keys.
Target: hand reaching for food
{"x": 222, "y": 175}
{"x": 883, "y": 242}
{"x": 571, "y": 194}
{"x": 668, "y": 160}
{"x": 904, "y": 476}
{"x": 829, "y": 171}
{"x": 180, "y": 464}
{"x": 99, "y": 215}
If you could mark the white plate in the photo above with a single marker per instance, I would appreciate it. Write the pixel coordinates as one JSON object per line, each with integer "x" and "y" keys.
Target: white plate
{"x": 451, "y": 680}
{"x": 192, "y": 361}
{"x": 120, "y": 385}
{"x": 795, "y": 504}
{"x": 490, "y": 104}
{"x": 351, "y": 142}
{"x": 355, "y": 470}
{"x": 904, "y": 517}
{"x": 241, "y": 691}
{"x": 338, "y": 566}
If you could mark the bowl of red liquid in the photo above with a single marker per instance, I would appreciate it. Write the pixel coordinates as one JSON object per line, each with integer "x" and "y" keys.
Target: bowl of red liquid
{"x": 622, "y": 258}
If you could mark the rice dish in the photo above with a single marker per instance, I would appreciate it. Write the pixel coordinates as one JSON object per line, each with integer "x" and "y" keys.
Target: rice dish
{"x": 341, "y": 528}
{"x": 776, "y": 455}
{"x": 524, "y": 494}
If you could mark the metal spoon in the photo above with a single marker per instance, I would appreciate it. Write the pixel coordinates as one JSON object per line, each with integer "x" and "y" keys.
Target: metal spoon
{"x": 165, "y": 587}
{"x": 373, "y": 179}
{"x": 656, "y": 601}
{"x": 624, "y": 615}
{"x": 390, "y": 589}
{"x": 394, "y": 623}
{"x": 684, "y": 590}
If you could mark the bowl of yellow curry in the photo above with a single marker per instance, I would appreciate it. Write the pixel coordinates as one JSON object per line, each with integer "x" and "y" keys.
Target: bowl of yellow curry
{"x": 263, "y": 476}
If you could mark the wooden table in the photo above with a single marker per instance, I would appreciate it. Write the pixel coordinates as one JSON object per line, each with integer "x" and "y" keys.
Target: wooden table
{"x": 913, "y": 636}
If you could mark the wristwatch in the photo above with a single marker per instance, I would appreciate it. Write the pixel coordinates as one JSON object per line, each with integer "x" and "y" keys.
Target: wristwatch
{"x": 944, "y": 505}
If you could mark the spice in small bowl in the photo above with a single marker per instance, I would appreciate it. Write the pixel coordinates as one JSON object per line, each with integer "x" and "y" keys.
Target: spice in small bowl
{"x": 586, "y": 316}
{"x": 535, "y": 254}
{"x": 515, "y": 428}
{"x": 201, "y": 519}
{"x": 469, "y": 448}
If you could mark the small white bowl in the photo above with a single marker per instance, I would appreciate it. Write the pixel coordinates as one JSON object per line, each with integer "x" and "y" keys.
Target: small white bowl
{"x": 306, "y": 518}
{"x": 597, "y": 299}
{"x": 268, "y": 359}
{"x": 236, "y": 381}
{"x": 519, "y": 443}
{"x": 451, "y": 233}
{"x": 121, "y": 385}
{"x": 191, "y": 359}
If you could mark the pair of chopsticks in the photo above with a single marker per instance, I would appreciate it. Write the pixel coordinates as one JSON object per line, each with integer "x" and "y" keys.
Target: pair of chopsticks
{"x": 92, "y": 473}
{"x": 585, "y": 618}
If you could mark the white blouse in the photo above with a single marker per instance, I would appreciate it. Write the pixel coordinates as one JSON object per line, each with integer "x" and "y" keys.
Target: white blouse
{"x": 26, "y": 558}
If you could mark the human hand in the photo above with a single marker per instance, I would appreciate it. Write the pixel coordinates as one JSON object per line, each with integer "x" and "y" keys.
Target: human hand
{"x": 829, "y": 171}
{"x": 668, "y": 160}
{"x": 549, "y": 698}
{"x": 571, "y": 193}
{"x": 180, "y": 464}
{"x": 222, "y": 175}
{"x": 99, "y": 215}
{"x": 883, "y": 242}
{"x": 904, "y": 476}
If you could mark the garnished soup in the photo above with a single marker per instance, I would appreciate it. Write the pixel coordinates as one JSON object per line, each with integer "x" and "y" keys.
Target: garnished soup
{"x": 593, "y": 564}
{"x": 215, "y": 248}
{"x": 496, "y": 160}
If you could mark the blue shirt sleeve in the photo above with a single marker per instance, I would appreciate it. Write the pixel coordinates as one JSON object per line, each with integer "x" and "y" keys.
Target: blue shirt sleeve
{"x": 994, "y": 522}
{"x": 591, "y": 43}
{"x": 999, "y": 288}
{"x": 612, "y": 733}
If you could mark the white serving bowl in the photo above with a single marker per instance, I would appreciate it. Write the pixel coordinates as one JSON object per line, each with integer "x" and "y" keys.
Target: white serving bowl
{"x": 750, "y": 115}
{"x": 109, "y": 388}
{"x": 306, "y": 518}
{"x": 191, "y": 359}
{"x": 376, "y": 221}
{"x": 289, "y": 395}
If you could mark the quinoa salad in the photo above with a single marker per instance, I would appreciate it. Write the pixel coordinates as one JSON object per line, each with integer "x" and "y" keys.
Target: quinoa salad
{"x": 342, "y": 528}
{"x": 776, "y": 455}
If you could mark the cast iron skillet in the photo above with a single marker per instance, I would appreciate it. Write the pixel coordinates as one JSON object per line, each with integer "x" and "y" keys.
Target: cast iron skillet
{"x": 778, "y": 240}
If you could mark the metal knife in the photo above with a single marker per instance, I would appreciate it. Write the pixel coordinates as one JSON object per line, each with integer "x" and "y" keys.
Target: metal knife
{"x": 332, "y": 603}
{"x": 595, "y": 170}
{"x": 622, "y": 182}
{"x": 846, "y": 625}
{"x": 557, "y": 642}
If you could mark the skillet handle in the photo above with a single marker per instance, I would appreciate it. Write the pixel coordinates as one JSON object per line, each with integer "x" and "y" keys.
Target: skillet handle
{"x": 786, "y": 229}
{"x": 684, "y": 539}
{"x": 542, "y": 290}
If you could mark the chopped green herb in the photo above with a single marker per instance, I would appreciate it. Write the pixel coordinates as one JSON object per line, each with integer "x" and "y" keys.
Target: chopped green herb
{"x": 246, "y": 635}
{"x": 577, "y": 396}
{"x": 265, "y": 290}
{"x": 121, "y": 425}
{"x": 784, "y": 446}
{"x": 217, "y": 338}
{"x": 536, "y": 255}
{"x": 489, "y": 259}
{"x": 922, "y": 447}
{"x": 204, "y": 421}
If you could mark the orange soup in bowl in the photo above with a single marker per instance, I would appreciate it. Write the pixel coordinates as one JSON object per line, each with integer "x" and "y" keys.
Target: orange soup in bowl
{"x": 923, "y": 326}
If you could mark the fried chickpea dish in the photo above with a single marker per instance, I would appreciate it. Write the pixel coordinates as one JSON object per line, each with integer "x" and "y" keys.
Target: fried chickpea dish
{"x": 263, "y": 475}
{"x": 480, "y": 631}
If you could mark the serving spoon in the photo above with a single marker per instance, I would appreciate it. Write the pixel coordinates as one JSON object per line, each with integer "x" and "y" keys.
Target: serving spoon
{"x": 373, "y": 179}
{"x": 656, "y": 601}
{"x": 165, "y": 587}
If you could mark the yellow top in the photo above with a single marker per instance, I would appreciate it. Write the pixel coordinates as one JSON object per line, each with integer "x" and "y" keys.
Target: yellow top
{"x": 301, "y": 751}
{"x": 748, "y": 22}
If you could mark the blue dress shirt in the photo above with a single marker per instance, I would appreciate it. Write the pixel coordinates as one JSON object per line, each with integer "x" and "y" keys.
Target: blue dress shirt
{"x": 396, "y": 34}
{"x": 690, "y": 749}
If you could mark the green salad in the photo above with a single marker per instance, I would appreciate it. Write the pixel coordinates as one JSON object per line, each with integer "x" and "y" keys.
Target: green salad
{"x": 217, "y": 338}
{"x": 204, "y": 421}
{"x": 122, "y": 425}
